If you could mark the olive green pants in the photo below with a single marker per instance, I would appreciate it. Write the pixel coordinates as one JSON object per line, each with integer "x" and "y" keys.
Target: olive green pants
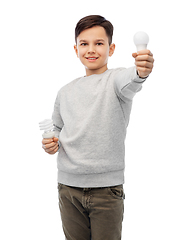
{"x": 91, "y": 213}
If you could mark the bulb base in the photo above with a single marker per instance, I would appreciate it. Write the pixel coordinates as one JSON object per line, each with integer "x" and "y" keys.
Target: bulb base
{"x": 141, "y": 47}
{"x": 50, "y": 134}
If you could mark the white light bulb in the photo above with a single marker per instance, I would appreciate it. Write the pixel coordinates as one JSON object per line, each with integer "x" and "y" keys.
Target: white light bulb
{"x": 141, "y": 40}
{"x": 47, "y": 126}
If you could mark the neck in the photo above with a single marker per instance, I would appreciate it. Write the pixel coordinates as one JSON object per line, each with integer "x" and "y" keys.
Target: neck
{"x": 101, "y": 70}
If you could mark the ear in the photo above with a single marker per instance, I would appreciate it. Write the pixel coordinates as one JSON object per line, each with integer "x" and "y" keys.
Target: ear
{"x": 111, "y": 49}
{"x": 76, "y": 50}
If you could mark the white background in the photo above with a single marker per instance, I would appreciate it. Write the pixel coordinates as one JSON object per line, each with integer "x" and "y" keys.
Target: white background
{"x": 37, "y": 59}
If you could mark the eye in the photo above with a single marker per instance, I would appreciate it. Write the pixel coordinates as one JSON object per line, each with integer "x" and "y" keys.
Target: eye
{"x": 100, "y": 43}
{"x": 83, "y": 44}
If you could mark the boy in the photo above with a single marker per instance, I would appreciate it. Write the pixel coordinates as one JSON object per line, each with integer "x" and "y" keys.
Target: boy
{"x": 90, "y": 116}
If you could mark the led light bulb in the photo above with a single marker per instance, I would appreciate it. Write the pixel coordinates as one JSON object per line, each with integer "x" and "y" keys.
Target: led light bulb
{"x": 141, "y": 40}
{"x": 47, "y": 126}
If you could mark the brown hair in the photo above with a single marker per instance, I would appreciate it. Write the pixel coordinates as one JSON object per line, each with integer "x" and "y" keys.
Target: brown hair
{"x": 92, "y": 21}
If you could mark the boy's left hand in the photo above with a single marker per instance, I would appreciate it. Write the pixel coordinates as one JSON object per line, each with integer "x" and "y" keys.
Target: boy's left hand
{"x": 144, "y": 62}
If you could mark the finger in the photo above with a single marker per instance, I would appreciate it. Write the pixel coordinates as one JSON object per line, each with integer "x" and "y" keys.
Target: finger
{"x": 55, "y": 139}
{"x": 144, "y": 64}
{"x": 52, "y": 149}
{"x": 50, "y": 145}
{"x": 134, "y": 55}
{"x": 53, "y": 152}
{"x": 143, "y": 71}
{"x": 47, "y": 140}
{"x": 147, "y": 58}
{"x": 150, "y": 54}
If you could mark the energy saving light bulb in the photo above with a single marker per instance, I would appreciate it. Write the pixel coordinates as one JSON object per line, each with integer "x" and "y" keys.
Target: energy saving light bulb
{"x": 47, "y": 126}
{"x": 141, "y": 40}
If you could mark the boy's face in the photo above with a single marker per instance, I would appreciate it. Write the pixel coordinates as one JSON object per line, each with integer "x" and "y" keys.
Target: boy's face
{"x": 93, "y": 50}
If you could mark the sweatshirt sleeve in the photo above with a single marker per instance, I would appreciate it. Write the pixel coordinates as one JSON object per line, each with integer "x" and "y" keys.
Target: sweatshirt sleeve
{"x": 56, "y": 117}
{"x": 127, "y": 83}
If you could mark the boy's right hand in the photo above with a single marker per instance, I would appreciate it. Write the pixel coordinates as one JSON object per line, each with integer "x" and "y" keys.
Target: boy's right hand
{"x": 50, "y": 145}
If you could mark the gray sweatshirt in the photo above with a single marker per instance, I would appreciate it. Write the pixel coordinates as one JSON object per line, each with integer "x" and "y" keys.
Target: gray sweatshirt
{"x": 90, "y": 116}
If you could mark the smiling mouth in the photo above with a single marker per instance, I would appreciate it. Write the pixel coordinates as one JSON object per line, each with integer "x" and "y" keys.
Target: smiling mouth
{"x": 91, "y": 59}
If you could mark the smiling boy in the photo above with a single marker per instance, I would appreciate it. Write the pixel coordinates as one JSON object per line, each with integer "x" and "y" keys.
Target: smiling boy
{"x": 94, "y": 49}
{"x": 90, "y": 116}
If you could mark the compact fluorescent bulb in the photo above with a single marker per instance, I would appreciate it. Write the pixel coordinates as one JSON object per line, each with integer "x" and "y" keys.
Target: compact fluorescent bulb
{"x": 47, "y": 126}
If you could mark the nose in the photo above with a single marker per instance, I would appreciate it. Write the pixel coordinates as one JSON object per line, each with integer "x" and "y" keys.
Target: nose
{"x": 91, "y": 49}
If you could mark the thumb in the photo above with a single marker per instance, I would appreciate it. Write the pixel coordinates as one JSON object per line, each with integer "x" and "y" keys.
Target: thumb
{"x": 134, "y": 55}
{"x": 55, "y": 139}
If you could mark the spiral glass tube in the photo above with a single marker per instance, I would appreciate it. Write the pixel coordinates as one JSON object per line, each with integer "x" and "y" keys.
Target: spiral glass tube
{"x": 47, "y": 126}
